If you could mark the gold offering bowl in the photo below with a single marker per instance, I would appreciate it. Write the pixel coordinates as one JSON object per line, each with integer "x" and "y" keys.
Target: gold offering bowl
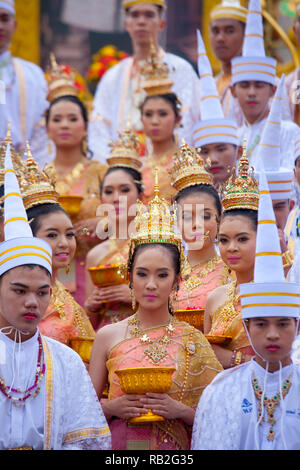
{"x": 83, "y": 346}
{"x": 70, "y": 203}
{"x": 193, "y": 316}
{"x": 111, "y": 275}
{"x": 140, "y": 380}
{"x": 218, "y": 339}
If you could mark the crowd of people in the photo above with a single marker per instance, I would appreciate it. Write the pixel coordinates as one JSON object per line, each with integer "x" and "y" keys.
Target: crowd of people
{"x": 155, "y": 237}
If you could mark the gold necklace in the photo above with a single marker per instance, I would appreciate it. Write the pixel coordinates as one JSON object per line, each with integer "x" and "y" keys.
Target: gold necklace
{"x": 64, "y": 185}
{"x": 195, "y": 281}
{"x": 269, "y": 403}
{"x": 156, "y": 351}
{"x": 161, "y": 161}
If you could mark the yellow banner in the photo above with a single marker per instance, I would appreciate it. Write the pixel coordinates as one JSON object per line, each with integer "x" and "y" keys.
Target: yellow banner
{"x": 26, "y": 41}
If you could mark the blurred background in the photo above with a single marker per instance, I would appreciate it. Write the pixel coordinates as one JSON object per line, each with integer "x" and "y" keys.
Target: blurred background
{"x": 75, "y": 30}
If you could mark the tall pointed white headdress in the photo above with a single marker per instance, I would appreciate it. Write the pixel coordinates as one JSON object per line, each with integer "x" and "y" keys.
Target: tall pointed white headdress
{"x": 254, "y": 64}
{"x": 269, "y": 295}
{"x": 279, "y": 179}
{"x": 20, "y": 246}
{"x": 213, "y": 127}
{"x": 229, "y": 9}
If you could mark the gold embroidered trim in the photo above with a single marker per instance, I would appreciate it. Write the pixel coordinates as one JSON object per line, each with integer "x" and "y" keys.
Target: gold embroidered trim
{"x": 86, "y": 433}
{"x": 49, "y": 389}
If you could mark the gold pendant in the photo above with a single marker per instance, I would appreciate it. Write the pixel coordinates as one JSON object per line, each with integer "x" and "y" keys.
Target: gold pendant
{"x": 156, "y": 353}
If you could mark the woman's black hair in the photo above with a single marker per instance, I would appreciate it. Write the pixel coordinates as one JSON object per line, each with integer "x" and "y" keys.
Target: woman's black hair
{"x": 173, "y": 250}
{"x": 170, "y": 98}
{"x": 135, "y": 175}
{"x": 75, "y": 100}
{"x": 36, "y": 213}
{"x": 251, "y": 214}
{"x": 198, "y": 189}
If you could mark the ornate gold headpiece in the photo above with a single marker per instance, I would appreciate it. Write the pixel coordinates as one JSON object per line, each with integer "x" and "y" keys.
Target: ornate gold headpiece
{"x": 156, "y": 224}
{"x": 37, "y": 187}
{"x": 156, "y": 75}
{"x": 241, "y": 192}
{"x": 16, "y": 158}
{"x": 189, "y": 168}
{"x": 61, "y": 80}
{"x": 125, "y": 151}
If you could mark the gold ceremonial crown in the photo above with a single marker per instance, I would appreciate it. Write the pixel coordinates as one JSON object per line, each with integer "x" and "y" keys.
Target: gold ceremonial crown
{"x": 156, "y": 75}
{"x": 61, "y": 80}
{"x": 37, "y": 187}
{"x": 155, "y": 224}
{"x": 125, "y": 151}
{"x": 16, "y": 158}
{"x": 241, "y": 192}
{"x": 189, "y": 168}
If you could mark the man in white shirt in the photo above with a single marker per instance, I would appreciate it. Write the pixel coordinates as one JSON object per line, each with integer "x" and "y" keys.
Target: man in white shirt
{"x": 47, "y": 400}
{"x": 25, "y": 92}
{"x": 120, "y": 93}
{"x": 255, "y": 406}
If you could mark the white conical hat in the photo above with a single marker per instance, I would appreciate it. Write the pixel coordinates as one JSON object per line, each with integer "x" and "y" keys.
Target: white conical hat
{"x": 229, "y": 9}
{"x": 279, "y": 179}
{"x": 254, "y": 65}
{"x": 213, "y": 127}
{"x": 269, "y": 295}
{"x": 8, "y": 5}
{"x": 19, "y": 247}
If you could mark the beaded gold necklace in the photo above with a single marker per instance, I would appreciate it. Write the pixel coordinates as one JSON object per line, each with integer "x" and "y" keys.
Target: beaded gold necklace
{"x": 194, "y": 280}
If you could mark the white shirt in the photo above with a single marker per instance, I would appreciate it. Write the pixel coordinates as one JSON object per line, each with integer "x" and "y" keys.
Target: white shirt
{"x": 65, "y": 414}
{"x": 289, "y": 134}
{"x": 226, "y": 417}
{"x": 118, "y": 97}
{"x": 26, "y": 91}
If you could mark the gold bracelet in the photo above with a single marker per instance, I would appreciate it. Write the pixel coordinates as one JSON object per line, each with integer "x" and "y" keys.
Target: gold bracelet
{"x": 287, "y": 259}
{"x": 238, "y": 358}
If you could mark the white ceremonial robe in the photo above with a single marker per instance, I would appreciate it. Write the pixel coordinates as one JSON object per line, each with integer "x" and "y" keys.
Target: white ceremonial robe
{"x": 25, "y": 93}
{"x": 226, "y": 416}
{"x": 65, "y": 415}
{"x": 117, "y": 103}
{"x": 289, "y": 134}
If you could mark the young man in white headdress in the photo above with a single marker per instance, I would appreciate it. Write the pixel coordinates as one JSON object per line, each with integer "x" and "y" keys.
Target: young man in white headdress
{"x": 279, "y": 176}
{"x": 227, "y": 29}
{"x": 25, "y": 90}
{"x": 215, "y": 134}
{"x": 254, "y": 406}
{"x": 47, "y": 401}
{"x": 253, "y": 85}
{"x": 120, "y": 92}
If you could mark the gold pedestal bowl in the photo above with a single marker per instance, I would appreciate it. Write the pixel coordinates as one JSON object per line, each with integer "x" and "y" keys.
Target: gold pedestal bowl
{"x": 218, "y": 339}
{"x": 140, "y": 380}
{"x": 110, "y": 275}
{"x": 83, "y": 346}
{"x": 192, "y": 316}
{"x": 71, "y": 204}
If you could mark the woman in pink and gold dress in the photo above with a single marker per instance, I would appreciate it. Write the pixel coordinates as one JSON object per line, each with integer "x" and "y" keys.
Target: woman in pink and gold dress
{"x": 152, "y": 337}
{"x": 65, "y": 320}
{"x": 199, "y": 212}
{"x": 237, "y": 242}
{"x": 120, "y": 189}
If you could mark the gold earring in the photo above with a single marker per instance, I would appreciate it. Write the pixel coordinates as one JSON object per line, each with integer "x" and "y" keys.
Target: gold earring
{"x": 68, "y": 269}
{"x": 133, "y": 299}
